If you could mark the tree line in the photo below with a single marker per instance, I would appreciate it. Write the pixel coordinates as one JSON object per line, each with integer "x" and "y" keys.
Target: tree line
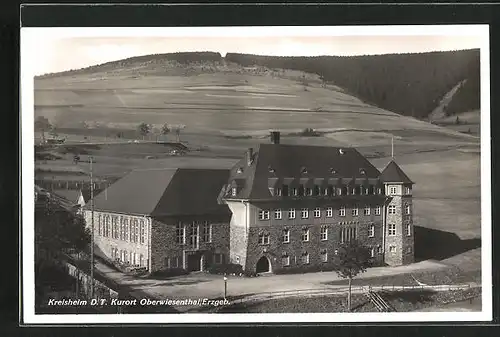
{"x": 408, "y": 84}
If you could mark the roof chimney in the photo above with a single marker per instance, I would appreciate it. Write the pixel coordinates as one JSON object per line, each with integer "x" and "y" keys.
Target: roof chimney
{"x": 249, "y": 156}
{"x": 275, "y": 137}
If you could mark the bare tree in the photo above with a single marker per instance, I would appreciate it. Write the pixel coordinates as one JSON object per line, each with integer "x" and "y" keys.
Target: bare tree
{"x": 42, "y": 125}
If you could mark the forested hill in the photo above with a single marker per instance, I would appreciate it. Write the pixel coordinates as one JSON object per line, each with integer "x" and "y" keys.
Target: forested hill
{"x": 408, "y": 84}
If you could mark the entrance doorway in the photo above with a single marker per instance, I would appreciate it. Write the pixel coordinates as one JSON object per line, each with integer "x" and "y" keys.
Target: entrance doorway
{"x": 194, "y": 262}
{"x": 263, "y": 265}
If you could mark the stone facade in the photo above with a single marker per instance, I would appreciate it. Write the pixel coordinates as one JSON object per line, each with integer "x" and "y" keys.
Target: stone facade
{"x": 171, "y": 251}
{"x": 399, "y": 240}
{"x": 247, "y": 249}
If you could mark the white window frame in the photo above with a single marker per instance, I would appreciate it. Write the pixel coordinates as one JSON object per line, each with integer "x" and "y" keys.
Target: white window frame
{"x": 207, "y": 232}
{"x": 285, "y": 260}
{"x": 367, "y": 210}
{"x": 371, "y": 231}
{"x": 291, "y": 213}
{"x": 317, "y": 212}
{"x": 295, "y": 191}
{"x": 407, "y": 190}
{"x": 391, "y": 209}
{"x": 277, "y": 214}
{"x": 391, "y": 229}
{"x": 409, "y": 250}
{"x": 307, "y": 260}
{"x": 304, "y": 213}
{"x": 408, "y": 229}
{"x": 305, "y": 235}
{"x": 329, "y": 212}
{"x": 342, "y": 211}
{"x": 407, "y": 209}
{"x": 378, "y": 210}
{"x": 263, "y": 214}
{"x": 355, "y": 211}
{"x": 324, "y": 255}
{"x": 324, "y": 233}
{"x": 180, "y": 233}
{"x": 142, "y": 233}
{"x": 372, "y": 252}
{"x": 393, "y": 190}
{"x": 392, "y": 249}
{"x": 286, "y": 236}
{"x": 279, "y": 191}
{"x": 264, "y": 238}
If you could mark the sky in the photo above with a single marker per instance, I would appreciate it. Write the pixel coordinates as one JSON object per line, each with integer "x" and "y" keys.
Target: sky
{"x": 59, "y": 52}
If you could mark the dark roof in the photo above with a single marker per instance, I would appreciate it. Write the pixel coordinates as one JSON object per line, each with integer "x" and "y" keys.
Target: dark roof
{"x": 394, "y": 174}
{"x": 165, "y": 192}
{"x": 298, "y": 161}
{"x": 70, "y": 195}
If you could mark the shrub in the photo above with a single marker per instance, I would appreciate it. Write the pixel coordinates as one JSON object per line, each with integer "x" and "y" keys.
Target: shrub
{"x": 169, "y": 273}
{"x": 230, "y": 268}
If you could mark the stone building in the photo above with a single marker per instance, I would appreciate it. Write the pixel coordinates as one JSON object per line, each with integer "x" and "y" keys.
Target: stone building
{"x": 162, "y": 219}
{"x": 292, "y": 206}
{"x": 280, "y": 207}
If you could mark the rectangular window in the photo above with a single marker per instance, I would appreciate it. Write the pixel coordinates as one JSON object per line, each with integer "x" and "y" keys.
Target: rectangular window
{"x": 234, "y": 191}
{"x": 305, "y": 258}
{"x": 347, "y": 234}
{"x": 339, "y": 191}
{"x": 99, "y": 228}
{"x": 366, "y": 211}
{"x": 392, "y": 209}
{"x": 264, "y": 238}
{"x": 354, "y": 211}
{"x": 392, "y": 190}
{"x": 305, "y": 235}
{"x": 329, "y": 212}
{"x": 391, "y": 228}
{"x": 309, "y": 191}
{"x": 114, "y": 231}
{"x": 317, "y": 212}
{"x": 291, "y": 213}
{"x": 277, "y": 214}
{"x": 372, "y": 252}
{"x": 263, "y": 215}
{"x": 371, "y": 231}
{"x": 108, "y": 226}
{"x": 219, "y": 258}
{"x": 285, "y": 260}
{"x": 324, "y": 255}
{"x": 377, "y": 210}
{"x": 279, "y": 192}
{"x": 304, "y": 213}
{"x": 193, "y": 235}
{"x": 125, "y": 230}
{"x": 407, "y": 209}
{"x": 136, "y": 231}
{"x": 141, "y": 260}
{"x": 207, "y": 232}
{"x": 143, "y": 232}
{"x": 286, "y": 236}
{"x": 121, "y": 229}
{"x": 179, "y": 233}
{"x": 408, "y": 229}
{"x": 392, "y": 249}
{"x": 325, "y": 191}
{"x": 125, "y": 256}
{"x": 342, "y": 211}
{"x": 407, "y": 190}
{"x": 408, "y": 249}
{"x": 295, "y": 191}
{"x": 324, "y": 233}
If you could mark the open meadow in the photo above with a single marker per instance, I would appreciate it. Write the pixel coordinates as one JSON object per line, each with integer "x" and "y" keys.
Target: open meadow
{"x": 226, "y": 112}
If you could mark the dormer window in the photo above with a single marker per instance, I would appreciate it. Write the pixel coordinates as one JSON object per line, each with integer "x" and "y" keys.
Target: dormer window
{"x": 303, "y": 170}
{"x": 234, "y": 191}
{"x": 341, "y": 151}
{"x": 279, "y": 192}
{"x": 271, "y": 169}
{"x": 309, "y": 191}
{"x": 239, "y": 170}
{"x": 333, "y": 171}
{"x": 295, "y": 191}
{"x": 362, "y": 171}
{"x": 316, "y": 190}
